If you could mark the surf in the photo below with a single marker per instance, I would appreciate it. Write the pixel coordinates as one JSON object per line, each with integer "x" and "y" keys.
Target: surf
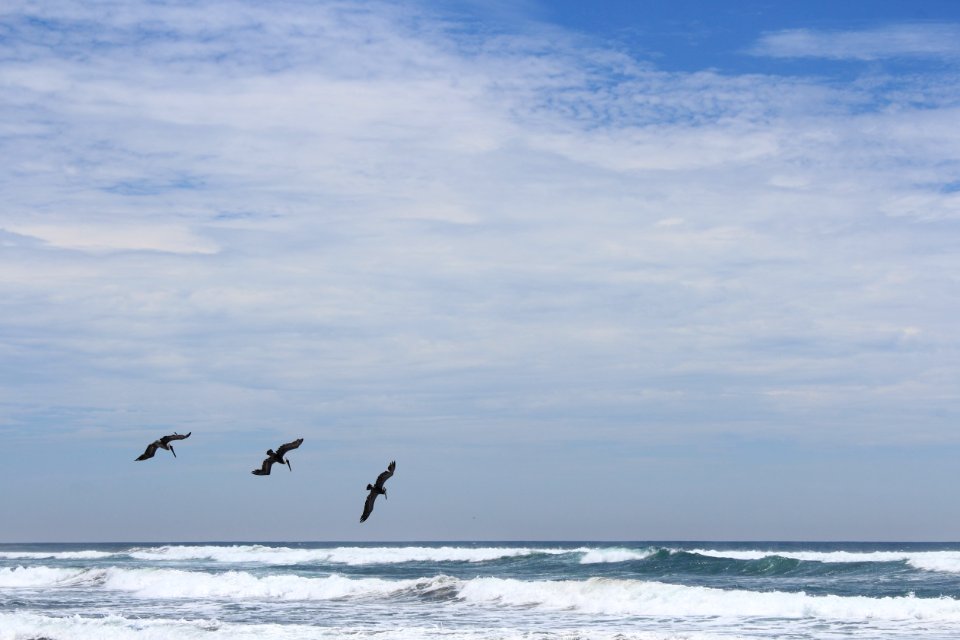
{"x": 605, "y": 596}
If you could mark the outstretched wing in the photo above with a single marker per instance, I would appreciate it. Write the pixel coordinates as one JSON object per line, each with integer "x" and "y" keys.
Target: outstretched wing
{"x": 175, "y": 436}
{"x": 383, "y": 477}
{"x": 151, "y": 449}
{"x": 282, "y": 449}
{"x": 368, "y": 505}
{"x": 264, "y": 469}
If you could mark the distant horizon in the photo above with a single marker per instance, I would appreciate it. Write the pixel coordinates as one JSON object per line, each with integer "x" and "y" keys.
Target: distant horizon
{"x": 391, "y": 542}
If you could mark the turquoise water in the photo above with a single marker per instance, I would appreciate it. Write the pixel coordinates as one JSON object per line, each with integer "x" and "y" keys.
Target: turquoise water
{"x": 642, "y": 590}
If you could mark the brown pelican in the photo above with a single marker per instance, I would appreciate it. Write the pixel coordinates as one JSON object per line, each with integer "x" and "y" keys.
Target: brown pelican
{"x": 277, "y": 456}
{"x": 376, "y": 489}
{"x": 162, "y": 443}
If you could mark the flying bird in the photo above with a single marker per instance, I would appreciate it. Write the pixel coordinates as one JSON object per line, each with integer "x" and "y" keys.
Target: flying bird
{"x": 277, "y": 456}
{"x": 162, "y": 443}
{"x": 376, "y": 489}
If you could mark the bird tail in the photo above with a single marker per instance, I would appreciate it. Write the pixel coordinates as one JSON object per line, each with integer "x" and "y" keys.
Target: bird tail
{"x": 369, "y": 487}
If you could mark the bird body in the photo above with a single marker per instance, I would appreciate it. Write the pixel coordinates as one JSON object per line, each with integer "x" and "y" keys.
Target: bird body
{"x": 162, "y": 443}
{"x": 377, "y": 489}
{"x": 274, "y": 457}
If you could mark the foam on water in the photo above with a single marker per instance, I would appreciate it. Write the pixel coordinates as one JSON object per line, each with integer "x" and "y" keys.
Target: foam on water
{"x": 592, "y": 596}
{"x": 635, "y": 597}
{"x": 55, "y": 555}
{"x": 942, "y": 561}
{"x": 173, "y": 583}
{"x": 946, "y": 561}
{"x": 19, "y": 626}
{"x": 19, "y": 577}
{"x": 596, "y": 556}
{"x": 335, "y": 555}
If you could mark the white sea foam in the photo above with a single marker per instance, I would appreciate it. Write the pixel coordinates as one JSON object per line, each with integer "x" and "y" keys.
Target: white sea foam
{"x": 946, "y": 561}
{"x": 336, "y": 555}
{"x": 943, "y": 561}
{"x": 592, "y": 596}
{"x": 176, "y": 584}
{"x": 54, "y": 555}
{"x": 594, "y": 556}
{"x": 37, "y": 576}
{"x": 19, "y": 626}
{"x": 170, "y": 583}
{"x": 639, "y": 598}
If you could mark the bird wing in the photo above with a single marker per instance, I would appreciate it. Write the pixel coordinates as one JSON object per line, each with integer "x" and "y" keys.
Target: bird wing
{"x": 383, "y": 477}
{"x": 282, "y": 449}
{"x": 265, "y": 467}
{"x": 151, "y": 449}
{"x": 176, "y": 436}
{"x": 368, "y": 505}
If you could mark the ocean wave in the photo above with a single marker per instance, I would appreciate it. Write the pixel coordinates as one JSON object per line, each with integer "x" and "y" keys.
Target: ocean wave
{"x": 354, "y": 556}
{"x": 640, "y": 598}
{"x": 603, "y": 555}
{"x": 176, "y": 584}
{"x": 936, "y": 561}
{"x": 592, "y": 596}
{"x": 943, "y": 561}
{"x": 335, "y": 555}
{"x": 20, "y": 577}
{"x": 55, "y": 555}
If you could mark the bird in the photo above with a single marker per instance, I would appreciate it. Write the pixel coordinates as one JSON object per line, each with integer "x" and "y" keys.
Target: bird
{"x": 277, "y": 456}
{"x": 376, "y": 489}
{"x": 162, "y": 443}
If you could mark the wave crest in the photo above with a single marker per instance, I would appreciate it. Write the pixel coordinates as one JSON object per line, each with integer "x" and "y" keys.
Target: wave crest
{"x": 943, "y": 561}
{"x": 605, "y": 596}
{"x": 634, "y": 597}
{"x": 335, "y": 555}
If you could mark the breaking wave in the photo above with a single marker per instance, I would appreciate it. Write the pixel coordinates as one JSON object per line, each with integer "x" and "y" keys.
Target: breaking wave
{"x": 592, "y": 596}
{"x": 37, "y": 576}
{"x": 634, "y": 597}
{"x": 596, "y": 556}
{"x": 936, "y": 561}
{"x": 944, "y": 561}
{"x": 336, "y": 555}
{"x": 55, "y": 555}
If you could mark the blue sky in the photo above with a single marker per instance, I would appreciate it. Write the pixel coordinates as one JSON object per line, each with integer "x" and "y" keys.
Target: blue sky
{"x": 612, "y": 270}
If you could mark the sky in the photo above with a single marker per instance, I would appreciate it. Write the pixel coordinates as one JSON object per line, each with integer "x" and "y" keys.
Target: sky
{"x": 586, "y": 271}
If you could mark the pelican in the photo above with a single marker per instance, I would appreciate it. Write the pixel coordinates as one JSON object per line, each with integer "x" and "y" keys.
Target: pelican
{"x": 376, "y": 489}
{"x": 162, "y": 443}
{"x": 277, "y": 456}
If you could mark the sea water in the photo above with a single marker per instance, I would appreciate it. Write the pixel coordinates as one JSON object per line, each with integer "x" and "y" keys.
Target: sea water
{"x": 479, "y": 591}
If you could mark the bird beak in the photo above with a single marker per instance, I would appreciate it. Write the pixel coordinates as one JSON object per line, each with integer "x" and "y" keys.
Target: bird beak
{"x": 172, "y": 451}
{"x": 288, "y": 466}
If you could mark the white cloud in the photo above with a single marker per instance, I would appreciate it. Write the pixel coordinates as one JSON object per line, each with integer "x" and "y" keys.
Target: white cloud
{"x": 906, "y": 40}
{"x": 310, "y": 213}
{"x": 143, "y": 237}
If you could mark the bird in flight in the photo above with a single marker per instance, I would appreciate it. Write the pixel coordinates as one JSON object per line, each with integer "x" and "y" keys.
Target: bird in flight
{"x": 277, "y": 456}
{"x": 376, "y": 489}
{"x": 162, "y": 443}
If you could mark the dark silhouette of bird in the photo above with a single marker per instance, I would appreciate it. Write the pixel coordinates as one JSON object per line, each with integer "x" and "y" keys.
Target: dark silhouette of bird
{"x": 277, "y": 456}
{"x": 162, "y": 443}
{"x": 376, "y": 489}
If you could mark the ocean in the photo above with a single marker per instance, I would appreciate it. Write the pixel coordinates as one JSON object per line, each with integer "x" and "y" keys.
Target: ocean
{"x": 479, "y": 591}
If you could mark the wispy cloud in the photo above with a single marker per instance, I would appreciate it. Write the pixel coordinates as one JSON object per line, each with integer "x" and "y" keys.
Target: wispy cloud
{"x": 894, "y": 41}
{"x": 338, "y": 213}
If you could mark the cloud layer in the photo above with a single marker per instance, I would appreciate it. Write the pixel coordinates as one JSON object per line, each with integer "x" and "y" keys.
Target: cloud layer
{"x": 407, "y": 219}
{"x": 892, "y": 41}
